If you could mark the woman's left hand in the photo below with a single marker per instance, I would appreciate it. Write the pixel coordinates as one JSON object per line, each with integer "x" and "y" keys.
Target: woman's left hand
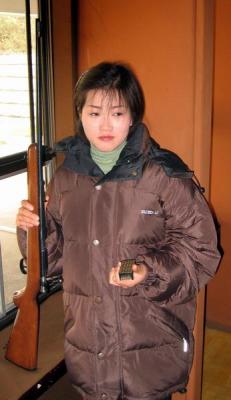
{"x": 140, "y": 272}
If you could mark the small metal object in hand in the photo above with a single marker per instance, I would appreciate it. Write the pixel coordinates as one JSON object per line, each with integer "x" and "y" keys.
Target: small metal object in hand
{"x": 125, "y": 271}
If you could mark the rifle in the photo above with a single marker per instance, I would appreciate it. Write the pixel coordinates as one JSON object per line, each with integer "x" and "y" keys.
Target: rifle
{"x": 22, "y": 348}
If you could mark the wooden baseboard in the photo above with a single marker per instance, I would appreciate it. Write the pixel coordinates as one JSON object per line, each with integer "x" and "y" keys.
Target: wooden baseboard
{"x": 219, "y": 327}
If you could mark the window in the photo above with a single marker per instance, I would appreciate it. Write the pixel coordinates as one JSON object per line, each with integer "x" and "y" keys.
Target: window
{"x": 15, "y": 132}
{"x": 17, "y": 121}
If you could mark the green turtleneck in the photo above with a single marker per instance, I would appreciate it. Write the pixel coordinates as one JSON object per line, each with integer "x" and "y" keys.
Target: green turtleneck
{"x": 106, "y": 159}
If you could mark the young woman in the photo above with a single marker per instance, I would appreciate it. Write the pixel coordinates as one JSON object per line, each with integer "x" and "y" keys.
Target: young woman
{"x": 117, "y": 197}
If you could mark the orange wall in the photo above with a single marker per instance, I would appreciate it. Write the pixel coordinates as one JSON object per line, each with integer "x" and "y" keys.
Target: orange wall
{"x": 63, "y": 68}
{"x": 157, "y": 39}
{"x": 219, "y": 290}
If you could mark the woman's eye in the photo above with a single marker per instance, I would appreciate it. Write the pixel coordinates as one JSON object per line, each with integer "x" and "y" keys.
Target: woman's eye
{"x": 117, "y": 114}
{"x": 94, "y": 114}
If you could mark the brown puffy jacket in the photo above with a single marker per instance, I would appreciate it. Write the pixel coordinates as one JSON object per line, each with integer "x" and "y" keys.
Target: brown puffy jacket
{"x": 129, "y": 343}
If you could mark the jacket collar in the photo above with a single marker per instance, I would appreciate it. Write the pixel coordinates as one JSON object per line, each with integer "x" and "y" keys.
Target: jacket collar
{"x": 140, "y": 147}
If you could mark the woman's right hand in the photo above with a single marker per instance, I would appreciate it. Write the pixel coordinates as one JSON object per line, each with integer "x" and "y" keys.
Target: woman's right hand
{"x": 25, "y": 217}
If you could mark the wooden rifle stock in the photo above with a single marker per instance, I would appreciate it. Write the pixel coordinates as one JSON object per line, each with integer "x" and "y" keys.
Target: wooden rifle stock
{"x": 22, "y": 348}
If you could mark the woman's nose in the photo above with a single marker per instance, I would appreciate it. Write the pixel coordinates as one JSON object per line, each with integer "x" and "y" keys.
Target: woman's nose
{"x": 106, "y": 122}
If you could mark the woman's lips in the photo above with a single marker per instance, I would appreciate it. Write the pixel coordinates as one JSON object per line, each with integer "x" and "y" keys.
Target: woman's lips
{"x": 106, "y": 138}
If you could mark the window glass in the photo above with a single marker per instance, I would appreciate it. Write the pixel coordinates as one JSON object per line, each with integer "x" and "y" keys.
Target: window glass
{"x": 17, "y": 124}
{"x": 12, "y": 190}
{"x": 15, "y": 134}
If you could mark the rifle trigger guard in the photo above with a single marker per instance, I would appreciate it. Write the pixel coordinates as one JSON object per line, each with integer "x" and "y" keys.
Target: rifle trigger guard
{"x": 23, "y": 267}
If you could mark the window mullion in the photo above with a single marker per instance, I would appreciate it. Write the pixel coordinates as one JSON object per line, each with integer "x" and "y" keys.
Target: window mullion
{"x": 2, "y": 295}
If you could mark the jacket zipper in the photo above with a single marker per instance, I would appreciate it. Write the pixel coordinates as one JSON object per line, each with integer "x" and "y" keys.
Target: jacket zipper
{"x": 117, "y": 297}
{"x": 185, "y": 345}
{"x": 118, "y": 318}
{"x": 92, "y": 294}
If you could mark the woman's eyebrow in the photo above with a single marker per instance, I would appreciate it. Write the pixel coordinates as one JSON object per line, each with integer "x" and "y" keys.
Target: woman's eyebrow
{"x": 92, "y": 105}
{"x": 112, "y": 107}
{"x": 119, "y": 106}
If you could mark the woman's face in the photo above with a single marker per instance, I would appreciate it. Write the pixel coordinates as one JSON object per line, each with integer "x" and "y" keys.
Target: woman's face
{"x": 106, "y": 120}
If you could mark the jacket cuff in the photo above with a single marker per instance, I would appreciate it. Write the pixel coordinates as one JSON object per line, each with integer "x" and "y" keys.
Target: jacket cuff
{"x": 151, "y": 273}
{"x": 22, "y": 242}
{"x": 150, "y": 279}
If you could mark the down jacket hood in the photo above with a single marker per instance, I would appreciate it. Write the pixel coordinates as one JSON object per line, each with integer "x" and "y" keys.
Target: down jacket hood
{"x": 140, "y": 147}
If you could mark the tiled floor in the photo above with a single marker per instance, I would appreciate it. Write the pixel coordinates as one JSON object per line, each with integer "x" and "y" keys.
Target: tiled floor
{"x": 217, "y": 366}
{"x": 62, "y": 390}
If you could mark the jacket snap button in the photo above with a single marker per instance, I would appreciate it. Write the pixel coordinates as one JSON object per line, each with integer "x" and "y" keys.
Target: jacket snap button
{"x": 104, "y": 396}
{"x": 98, "y": 299}
{"x": 98, "y": 187}
{"x": 100, "y": 355}
{"x": 95, "y": 242}
{"x": 134, "y": 173}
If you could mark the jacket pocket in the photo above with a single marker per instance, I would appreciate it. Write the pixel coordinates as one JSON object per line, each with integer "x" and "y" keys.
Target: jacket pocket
{"x": 175, "y": 327}
{"x": 77, "y": 321}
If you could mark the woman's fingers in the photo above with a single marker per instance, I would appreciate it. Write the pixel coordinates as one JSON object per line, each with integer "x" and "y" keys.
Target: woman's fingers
{"x": 25, "y": 217}
{"x": 140, "y": 272}
{"x": 46, "y": 201}
{"x": 114, "y": 278}
{"x": 25, "y": 204}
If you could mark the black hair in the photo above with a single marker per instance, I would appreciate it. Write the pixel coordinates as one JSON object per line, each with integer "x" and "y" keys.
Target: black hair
{"x": 113, "y": 78}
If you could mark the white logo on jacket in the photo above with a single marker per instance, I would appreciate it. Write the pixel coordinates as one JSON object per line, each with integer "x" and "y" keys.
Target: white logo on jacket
{"x": 149, "y": 212}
